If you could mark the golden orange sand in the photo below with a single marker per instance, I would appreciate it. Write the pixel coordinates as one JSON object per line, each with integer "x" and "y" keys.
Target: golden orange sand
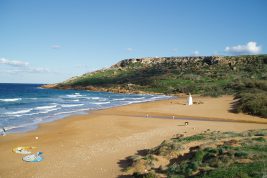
{"x": 95, "y": 145}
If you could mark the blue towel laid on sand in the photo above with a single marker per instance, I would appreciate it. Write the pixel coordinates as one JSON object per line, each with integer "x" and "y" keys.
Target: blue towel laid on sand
{"x": 33, "y": 158}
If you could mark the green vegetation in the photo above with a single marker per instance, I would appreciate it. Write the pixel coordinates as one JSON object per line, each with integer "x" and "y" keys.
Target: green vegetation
{"x": 191, "y": 138}
{"x": 213, "y": 155}
{"x": 252, "y": 98}
{"x": 244, "y": 76}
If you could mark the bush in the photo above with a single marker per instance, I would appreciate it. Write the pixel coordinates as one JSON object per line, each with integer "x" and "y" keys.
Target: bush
{"x": 191, "y": 138}
{"x": 221, "y": 151}
{"x": 252, "y": 98}
{"x": 241, "y": 154}
{"x": 199, "y": 156}
{"x": 250, "y": 170}
{"x": 259, "y": 139}
{"x": 253, "y": 103}
{"x": 148, "y": 175}
{"x": 193, "y": 166}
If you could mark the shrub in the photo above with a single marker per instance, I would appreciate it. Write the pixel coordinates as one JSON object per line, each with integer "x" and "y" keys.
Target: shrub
{"x": 193, "y": 166}
{"x": 259, "y": 139}
{"x": 256, "y": 169}
{"x": 199, "y": 156}
{"x": 253, "y": 103}
{"x": 147, "y": 175}
{"x": 241, "y": 154}
{"x": 191, "y": 138}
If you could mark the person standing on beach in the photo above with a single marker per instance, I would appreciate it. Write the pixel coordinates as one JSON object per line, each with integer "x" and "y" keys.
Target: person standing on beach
{"x": 3, "y": 131}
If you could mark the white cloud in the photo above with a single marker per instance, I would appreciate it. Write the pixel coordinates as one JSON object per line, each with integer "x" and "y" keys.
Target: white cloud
{"x": 27, "y": 70}
{"x": 13, "y": 63}
{"x": 38, "y": 70}
{"x": 249, "y": 48}
{"x": 129, "y": 49}
{"x": 196, "y": 53}
{"x": 15, "y": 66}
{"x": 56, "y": 46}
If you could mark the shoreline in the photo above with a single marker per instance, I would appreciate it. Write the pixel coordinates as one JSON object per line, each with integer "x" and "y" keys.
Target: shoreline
{"x": 28, "y": 127}
{"x": 95, "y": 144}
{"x": 36, "y": 126}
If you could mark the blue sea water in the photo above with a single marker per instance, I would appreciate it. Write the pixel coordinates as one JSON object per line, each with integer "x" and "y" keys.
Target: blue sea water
{"x": 24, "y": 106}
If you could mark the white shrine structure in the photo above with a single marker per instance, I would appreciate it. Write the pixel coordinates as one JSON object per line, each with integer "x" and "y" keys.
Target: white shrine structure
{"x": 189, "y": 100}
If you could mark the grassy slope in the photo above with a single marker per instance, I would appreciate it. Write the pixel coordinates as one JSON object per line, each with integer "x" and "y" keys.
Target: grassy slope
{"x": 241, "y": 75}
{"x": 221, "y": 155}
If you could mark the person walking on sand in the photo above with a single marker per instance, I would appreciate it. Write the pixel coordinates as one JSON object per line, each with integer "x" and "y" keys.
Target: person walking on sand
{"x": 189, "y": 100}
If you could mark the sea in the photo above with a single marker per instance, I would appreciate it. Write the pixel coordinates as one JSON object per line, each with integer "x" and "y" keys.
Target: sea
{"x": 24, "y": 106}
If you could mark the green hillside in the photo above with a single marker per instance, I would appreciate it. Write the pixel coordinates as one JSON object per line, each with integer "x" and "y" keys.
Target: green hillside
{"x": 210, "y": 154}
{"x": 244, "y": 76}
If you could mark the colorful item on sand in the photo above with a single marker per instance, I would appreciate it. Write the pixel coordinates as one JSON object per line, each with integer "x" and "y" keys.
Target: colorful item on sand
{"x": 33, "y": 158}
{"x": 23, "y": 149}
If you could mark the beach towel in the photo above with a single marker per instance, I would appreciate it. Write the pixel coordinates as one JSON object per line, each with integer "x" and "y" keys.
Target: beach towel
{"x": 23, "y": 149}
{"x": 33, "y": 158}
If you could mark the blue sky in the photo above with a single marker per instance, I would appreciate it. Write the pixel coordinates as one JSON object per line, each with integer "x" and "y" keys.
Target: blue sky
{"x": 52, "y": 40}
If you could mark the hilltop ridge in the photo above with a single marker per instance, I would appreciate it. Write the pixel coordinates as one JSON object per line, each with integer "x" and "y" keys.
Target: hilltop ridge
{"x": 137, "y": 75}
{"x": 158, "y": 60}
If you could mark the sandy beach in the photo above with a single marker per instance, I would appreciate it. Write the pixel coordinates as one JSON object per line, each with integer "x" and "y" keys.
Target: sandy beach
{"x": 97, "y": 144}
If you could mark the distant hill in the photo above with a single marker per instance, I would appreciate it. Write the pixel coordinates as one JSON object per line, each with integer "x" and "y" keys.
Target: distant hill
{"x": 205, "y": 75}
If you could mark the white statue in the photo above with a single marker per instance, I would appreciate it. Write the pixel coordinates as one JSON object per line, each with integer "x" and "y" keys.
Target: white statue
{"x": 190, "y": 100}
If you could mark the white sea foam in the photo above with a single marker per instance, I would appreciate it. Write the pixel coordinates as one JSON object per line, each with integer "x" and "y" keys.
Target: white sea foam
{"x": 120, "y": 99}
{"x": 132, "y": 102}
{"x": 99, "y": 103}
{"x": 48, "y": 110}
{"x": 44, "y": 111}
{"x": 102, "y": 99}
{"x": 10, "y": 99}
{"x": 140, "y": 98}
{"x": 94, "y": 98}
{"x": 45, "y": 107}
{"x": 17, "y": 126}
{"x": 160, "y": 97}
{"x": 71, "y": 105}
{"x": 76, "y": 95}
{"x": 22, "y": 125}
{"x": 19, "y": 112}
{"x": 19, "y": 115}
